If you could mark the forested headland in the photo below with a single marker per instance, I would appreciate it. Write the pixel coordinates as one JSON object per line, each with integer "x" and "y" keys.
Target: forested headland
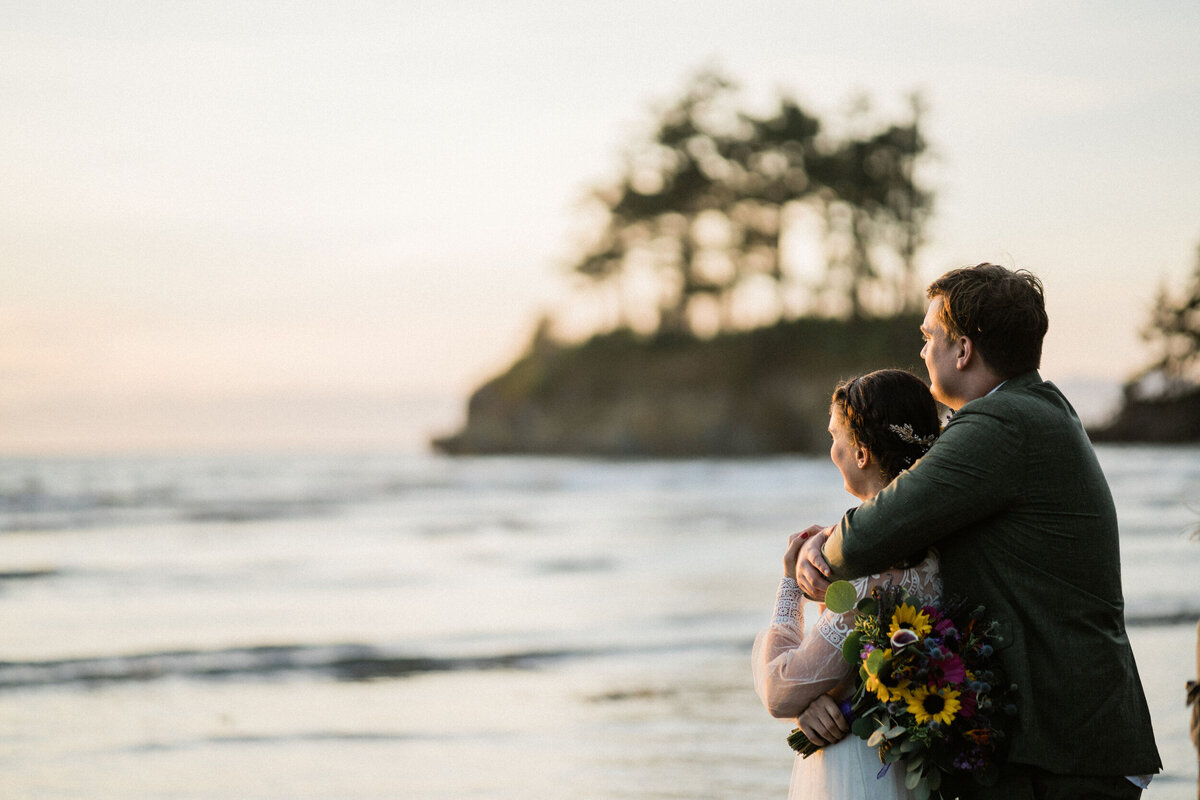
{"x": 739, "y": 265}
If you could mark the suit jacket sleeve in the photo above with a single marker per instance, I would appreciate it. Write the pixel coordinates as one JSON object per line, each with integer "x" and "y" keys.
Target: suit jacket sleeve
{"x": 972, "y": 471}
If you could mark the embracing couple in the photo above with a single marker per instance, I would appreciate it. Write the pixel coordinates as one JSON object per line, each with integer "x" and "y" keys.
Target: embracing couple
{"x": 1004, "y": 507}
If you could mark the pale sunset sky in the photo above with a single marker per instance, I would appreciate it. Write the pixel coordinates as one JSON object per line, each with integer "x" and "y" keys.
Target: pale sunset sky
{"x": 317, "y": 224}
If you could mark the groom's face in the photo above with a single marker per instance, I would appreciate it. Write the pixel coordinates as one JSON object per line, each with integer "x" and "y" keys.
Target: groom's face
{"x": 940, "y": 356}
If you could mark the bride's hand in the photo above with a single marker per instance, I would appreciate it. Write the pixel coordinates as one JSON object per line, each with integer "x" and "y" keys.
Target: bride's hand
{"x": 822, "y": 722}
{"x": 795, "y": 542}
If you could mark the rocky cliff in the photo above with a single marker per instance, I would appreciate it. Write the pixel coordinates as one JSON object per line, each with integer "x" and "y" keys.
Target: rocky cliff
{"x": 1166, "y": 418}
{"x": 739, "y": 394}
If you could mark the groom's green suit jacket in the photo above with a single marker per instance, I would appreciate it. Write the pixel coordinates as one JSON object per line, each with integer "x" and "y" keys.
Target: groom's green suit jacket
{"x": 1013, "y": 498}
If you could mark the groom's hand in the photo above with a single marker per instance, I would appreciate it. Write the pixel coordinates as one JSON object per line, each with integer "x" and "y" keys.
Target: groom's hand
{"x": 812, "y": 572}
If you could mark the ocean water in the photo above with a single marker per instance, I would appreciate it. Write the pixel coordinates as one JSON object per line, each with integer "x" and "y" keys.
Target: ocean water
{"x": 414, "y": 626}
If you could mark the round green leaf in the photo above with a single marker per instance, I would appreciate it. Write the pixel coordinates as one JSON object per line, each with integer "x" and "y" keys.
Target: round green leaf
{"x": 840, "y": 597}
{"x": 868, "y": 606}
{"x": 863, "y": 727}
{"x": 874, "y": 662}
{"x": 852, "y": 647}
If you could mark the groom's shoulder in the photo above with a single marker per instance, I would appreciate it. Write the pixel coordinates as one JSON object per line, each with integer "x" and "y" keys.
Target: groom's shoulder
{"x": 1027, "y": 400}
{"x": 1019, "y": 397}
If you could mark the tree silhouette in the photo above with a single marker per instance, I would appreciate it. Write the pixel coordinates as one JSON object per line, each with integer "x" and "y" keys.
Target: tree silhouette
{"x": 1174, "y": 327}
{"x": 703, "y": 206}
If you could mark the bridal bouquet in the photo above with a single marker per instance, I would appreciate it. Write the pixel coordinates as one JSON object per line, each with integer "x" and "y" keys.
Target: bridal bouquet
{"x": 929, "y": 694}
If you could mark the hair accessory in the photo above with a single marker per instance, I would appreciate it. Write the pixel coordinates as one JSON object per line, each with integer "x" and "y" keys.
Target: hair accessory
{"x": 905, "y": 432}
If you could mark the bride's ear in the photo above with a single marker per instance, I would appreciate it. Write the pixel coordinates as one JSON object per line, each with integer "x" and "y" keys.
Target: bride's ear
{"x": 862, "y": 456}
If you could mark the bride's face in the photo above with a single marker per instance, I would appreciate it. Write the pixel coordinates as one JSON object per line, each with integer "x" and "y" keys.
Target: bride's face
{"x": 849, "y": 457}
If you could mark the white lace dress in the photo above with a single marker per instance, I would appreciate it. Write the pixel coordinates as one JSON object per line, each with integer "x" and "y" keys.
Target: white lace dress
{"x": 792, "y": 666}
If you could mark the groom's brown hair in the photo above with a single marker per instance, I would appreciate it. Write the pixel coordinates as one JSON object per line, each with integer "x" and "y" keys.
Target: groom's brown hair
{"x": 1002, "y": 312}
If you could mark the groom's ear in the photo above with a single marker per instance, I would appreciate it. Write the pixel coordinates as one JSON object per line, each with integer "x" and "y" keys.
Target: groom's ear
{"x": 966, "y": 351}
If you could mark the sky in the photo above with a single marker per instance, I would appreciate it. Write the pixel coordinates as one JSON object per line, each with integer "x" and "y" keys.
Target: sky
{"x": 313, "y": 224}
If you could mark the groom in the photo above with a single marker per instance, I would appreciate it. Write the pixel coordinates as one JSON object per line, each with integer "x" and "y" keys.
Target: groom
{"x": 1012, "y": 496}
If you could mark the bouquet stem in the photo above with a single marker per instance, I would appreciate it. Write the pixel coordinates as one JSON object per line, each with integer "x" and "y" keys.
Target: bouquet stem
{"x": 801, "y": 744}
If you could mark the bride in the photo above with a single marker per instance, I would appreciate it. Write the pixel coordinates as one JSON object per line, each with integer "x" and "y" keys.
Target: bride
{"x": 880, "y": 423}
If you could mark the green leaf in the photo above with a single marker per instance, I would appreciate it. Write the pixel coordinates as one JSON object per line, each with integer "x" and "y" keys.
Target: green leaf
{"x": 874, "y": 662}
{"x": 935, "y": 779}
{"x": 922, "y": 792}
{"x": 840, "y": 597}
{"x": 863, "y": 727}
{"x": 876, "y": 739}
{"x": 868, "y": 606}
{"x": 913, "y": 779}
{"x": 852, "y": 647}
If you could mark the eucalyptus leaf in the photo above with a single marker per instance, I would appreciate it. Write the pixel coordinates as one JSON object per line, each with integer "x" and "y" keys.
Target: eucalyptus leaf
{"x": 840, "y": 597}
{"x": 852, "y": 646}
{"x": 895, "y": 731}
{"x": 863, "y": 727}
{"x": 868, "y": 606}
{"x": 913, "y": 779}
{"x": 915, "y": 765}
{"x": 922, "y": 792}
{"x": 874, "y": 662}
{"x": 935, "y": 779}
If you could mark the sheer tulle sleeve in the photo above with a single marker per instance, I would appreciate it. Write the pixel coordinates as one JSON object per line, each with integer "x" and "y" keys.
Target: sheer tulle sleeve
{"x": 792, "y": 666}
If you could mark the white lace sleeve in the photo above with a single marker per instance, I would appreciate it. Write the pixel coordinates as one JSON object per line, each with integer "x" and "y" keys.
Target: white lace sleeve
{"x": 791, "y": 667}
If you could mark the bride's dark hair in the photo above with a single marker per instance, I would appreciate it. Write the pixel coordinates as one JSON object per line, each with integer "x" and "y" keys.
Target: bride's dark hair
{"x": 891, "y": 413}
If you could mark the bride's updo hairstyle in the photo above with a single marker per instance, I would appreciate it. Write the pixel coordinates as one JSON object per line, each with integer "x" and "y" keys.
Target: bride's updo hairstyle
{"x": 891, "y": 413}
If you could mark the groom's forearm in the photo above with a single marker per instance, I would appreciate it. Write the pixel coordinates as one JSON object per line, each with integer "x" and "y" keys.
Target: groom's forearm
{"x": 864, "y": 543}
{"x": 964, "y": 478}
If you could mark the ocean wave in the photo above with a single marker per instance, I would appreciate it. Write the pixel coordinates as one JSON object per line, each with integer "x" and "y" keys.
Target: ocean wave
{"x": 343, "y": 662}
{"x": 346, "y": 662}
{"x": 269, "y": 740}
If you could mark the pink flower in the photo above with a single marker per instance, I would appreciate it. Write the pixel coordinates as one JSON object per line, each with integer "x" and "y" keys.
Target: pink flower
{"x": 949, "y": 669}
{"x": 969, "y": 704}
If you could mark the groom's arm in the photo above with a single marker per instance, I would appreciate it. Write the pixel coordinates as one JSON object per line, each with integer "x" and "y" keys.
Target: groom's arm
{"x": 970, "y": 473}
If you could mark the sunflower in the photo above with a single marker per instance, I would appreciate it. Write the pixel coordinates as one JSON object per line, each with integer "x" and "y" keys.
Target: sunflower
{"x": 881, "y": 682}
{"x": 927, "y": 704}
{"x": 909, "y": 618}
